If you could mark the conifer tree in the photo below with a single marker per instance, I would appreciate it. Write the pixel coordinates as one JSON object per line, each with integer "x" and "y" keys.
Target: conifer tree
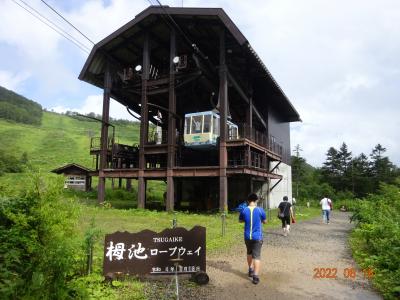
{"x": 382, "y": 169}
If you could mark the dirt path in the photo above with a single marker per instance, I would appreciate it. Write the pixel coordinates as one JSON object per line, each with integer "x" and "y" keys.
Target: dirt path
{"x": 288, "y": 266}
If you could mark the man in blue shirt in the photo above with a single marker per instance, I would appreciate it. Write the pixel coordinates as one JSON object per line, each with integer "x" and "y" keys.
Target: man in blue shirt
{"x": 253, "y": 216}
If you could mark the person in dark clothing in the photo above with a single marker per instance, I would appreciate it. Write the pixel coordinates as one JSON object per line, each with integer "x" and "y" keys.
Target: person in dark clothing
{"x": 285, "y": 213}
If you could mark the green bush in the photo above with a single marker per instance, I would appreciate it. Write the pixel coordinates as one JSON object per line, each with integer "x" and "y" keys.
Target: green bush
{"x": 38, "y": 250}
{"x": 376, "y": 240}
{"x": 10, "y": 164}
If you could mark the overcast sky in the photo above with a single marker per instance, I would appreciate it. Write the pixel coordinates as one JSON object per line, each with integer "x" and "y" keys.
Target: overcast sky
{"x": 337, "y": 61}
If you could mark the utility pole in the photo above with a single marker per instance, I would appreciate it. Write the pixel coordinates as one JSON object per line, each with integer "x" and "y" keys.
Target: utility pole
{"x": 297, "y": 150}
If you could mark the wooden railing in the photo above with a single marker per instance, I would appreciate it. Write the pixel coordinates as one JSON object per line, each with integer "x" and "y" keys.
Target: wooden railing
{"x": 267, "y": 141}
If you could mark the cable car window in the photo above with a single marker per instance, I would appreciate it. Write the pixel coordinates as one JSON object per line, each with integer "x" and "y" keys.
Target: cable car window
{"x": 231, "y": 132}
{"x": 215, "y": 125}
{"x": 187, "y": 125}
{"x": 207, "y": 123}
{"x": 235, "y": 132}
{"x": 196, "y": 124}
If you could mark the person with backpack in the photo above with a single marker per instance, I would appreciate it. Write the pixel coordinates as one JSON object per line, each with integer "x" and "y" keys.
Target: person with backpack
{"x": 285, "y": 213}
{"x": 253, "y": 218}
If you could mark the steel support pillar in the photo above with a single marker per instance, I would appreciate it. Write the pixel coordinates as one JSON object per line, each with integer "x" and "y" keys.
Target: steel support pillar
{"x": 171, "y": 125}
{"x": 223, "y": 94}
{"x": 144, "y": 123}
{"x": 104, "y": 135}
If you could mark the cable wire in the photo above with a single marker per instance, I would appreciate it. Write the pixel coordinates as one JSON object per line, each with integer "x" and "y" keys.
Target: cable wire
{"x": 55, "y": 25}
{"x": 61, "y": 16}
{"x": 72, "y": 41}
{"x": 176, "y": 25}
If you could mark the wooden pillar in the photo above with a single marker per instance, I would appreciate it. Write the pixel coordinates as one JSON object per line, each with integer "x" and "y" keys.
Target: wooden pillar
{"x": 88, "y": 183}
{"x": 171, "y": 125}
{"x": 104, "y": 135}
{"x": 248, "y": 156}
{"x": 144, "y": 124}
{"x": 129, "y": 184}
{"x": 249, "y": 116}
{"x": 223, "y": 94}
{"x": 119, "y": 179}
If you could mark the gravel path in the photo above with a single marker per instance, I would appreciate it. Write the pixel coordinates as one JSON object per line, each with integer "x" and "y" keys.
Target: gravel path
{"x": 288, "y": 265}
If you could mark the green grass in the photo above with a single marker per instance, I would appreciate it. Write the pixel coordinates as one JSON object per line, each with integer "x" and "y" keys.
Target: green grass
{"x": 109, "y": 220}
{"x": 59, "y": 140}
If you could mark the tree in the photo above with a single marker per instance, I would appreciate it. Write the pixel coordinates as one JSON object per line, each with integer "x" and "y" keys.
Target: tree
{"x": 344, "y": 168}
{"x": 331, "y": 168}
{"x": 382, "y": 169}
{"x": 361, "y": 176}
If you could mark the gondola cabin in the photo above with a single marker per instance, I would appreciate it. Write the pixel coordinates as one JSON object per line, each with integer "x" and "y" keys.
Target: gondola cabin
{"x": 202, "y": 129}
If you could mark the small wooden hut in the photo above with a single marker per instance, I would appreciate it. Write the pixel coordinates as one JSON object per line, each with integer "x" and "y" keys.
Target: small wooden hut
{"x": 76, "y": 176}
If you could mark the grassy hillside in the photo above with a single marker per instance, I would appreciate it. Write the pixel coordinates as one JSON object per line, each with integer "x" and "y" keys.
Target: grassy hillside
{"x": 18, "y": 108}
{"x": 58, "y": 140}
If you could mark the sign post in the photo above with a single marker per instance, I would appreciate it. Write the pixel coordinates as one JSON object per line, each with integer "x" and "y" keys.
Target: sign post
{"x": 151, "y": 253}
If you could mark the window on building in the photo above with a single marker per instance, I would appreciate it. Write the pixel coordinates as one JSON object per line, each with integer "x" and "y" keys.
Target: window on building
{"x": 75, "y": 180}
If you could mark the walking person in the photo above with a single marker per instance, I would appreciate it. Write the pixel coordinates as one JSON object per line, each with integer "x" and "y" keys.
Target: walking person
{"x": 253, "y": 217}
{"x": 326, "y": 205}
{"x": 285, "y": 213}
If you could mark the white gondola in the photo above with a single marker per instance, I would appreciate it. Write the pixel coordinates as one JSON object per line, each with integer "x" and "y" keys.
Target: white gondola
{"x": 202, "y": 129}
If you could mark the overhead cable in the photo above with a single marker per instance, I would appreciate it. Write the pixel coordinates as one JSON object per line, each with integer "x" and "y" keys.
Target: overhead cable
{"x": 55, "y": 25}
{"x": 59, "y": 31}
{"x": 61, "y": 16}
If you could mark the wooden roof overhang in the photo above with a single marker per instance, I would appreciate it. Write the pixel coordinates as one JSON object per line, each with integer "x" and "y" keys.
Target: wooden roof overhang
{"x": 72, "y": 168}
{"x": 199, "y": 26}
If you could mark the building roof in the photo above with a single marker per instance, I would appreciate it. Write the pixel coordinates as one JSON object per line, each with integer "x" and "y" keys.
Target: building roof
{"x": 199, "y": 29}
{"x": 67, "y": 169}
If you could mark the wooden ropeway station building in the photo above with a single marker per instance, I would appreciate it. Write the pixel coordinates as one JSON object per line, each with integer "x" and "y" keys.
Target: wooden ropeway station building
{"x": 222, "y": 120}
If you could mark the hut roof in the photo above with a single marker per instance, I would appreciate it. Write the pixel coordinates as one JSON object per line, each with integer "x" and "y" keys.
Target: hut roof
{"x": 71, "y": 168}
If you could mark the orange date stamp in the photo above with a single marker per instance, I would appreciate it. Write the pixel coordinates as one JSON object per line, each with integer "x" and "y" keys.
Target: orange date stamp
{"x": 348, "y": 273}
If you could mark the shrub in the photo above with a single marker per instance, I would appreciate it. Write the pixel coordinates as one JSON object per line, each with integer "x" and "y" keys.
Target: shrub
{"x": 376, "y": 240}
{"x": 37, "y": 244}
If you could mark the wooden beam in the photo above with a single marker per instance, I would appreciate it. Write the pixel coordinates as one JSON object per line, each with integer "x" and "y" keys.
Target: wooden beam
{"x": 276, "y": 166}
{"x": 144, "y": 123}
{"x": 171, "y": 124}
{"x": 104, "y": 133}
{"x": 223, "y": 96}
{"x": 246, "y": 98}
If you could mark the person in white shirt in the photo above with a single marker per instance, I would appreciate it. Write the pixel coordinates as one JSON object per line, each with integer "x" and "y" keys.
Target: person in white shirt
{"x": 326, "y": 205}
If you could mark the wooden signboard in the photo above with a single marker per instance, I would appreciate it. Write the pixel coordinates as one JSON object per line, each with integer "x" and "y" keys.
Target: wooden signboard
{"x": 151, "y": 253}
